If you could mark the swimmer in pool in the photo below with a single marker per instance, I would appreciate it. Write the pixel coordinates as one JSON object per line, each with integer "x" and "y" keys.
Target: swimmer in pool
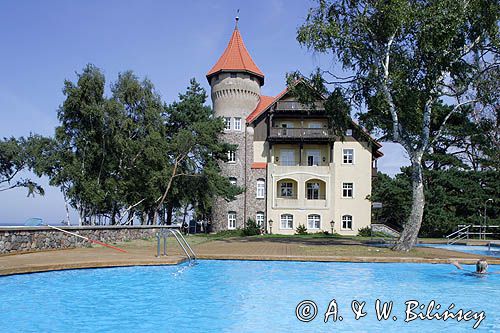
{"x": 481, "y": 266}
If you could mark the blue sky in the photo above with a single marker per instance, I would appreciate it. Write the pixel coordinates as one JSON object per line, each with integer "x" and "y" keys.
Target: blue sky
{"x": 43, "y": 43}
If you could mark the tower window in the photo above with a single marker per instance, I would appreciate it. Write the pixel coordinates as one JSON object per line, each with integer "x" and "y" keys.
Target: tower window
{"x": 232, "y": 180}
{"x": 259, "y": 218}
{"x": 231, "y": 156}
{"x": 261, "y": 188}
{"x": 231, "y": 220}
{"x": 237, "y": 124}
{"x": 227, "y": 123}
{"x": 233, "y": 75}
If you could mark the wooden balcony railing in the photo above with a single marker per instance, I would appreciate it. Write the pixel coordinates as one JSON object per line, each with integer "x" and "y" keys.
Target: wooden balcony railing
{"x": 293, "y": 105}
{"x": 300, "y": 133}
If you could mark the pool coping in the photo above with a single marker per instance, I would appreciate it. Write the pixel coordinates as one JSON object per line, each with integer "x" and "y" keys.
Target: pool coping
{"x": 172, "y": 261}
{"x": 176, "y": 260}
{"x": 357, "y": 259}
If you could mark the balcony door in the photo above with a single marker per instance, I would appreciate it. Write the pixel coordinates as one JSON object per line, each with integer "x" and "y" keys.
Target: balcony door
{"x": 284, "y": 126}
{"x": 313, "y": 191}
{"x": 287, "y": 157}
{"x": 313, "y": 157}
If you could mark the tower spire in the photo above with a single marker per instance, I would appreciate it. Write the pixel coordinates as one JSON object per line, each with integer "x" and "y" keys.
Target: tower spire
{"x": 237, "y": 18}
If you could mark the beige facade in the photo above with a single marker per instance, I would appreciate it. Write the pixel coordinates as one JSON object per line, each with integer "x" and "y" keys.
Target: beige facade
{"x": 329, "y": 204}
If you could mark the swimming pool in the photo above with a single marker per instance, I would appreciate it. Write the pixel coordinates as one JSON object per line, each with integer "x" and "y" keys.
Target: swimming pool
{"x": 241, "y": 296}
{"x": 494, "y": 251}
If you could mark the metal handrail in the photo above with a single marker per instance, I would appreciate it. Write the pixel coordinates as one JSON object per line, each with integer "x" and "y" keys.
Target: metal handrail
{"x": 458, "y": 231}
{"x": 188, "y": 251}
{"x": 461, "y": 234}
{"x": 180, "y": 243}
{"x": 185, "y": 242}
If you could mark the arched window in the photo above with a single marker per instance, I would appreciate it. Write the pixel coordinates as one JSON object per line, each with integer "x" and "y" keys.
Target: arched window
{"x": 313, "y": 221}
{"x": 261, "y": 188}
{"x": 231, "y": 220}
{"x": 232, "y": 180}
{"x": 259, "y": 218}
{"x": 347, "y": 222}
{"x": 287, "y": 189}
{"x": 315, "y": 189}
{"x": 286, "y": 221}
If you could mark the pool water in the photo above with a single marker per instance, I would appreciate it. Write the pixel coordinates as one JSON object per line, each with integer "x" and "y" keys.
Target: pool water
{"x": 242, "y": 296}
{"x": 494, "y": 251}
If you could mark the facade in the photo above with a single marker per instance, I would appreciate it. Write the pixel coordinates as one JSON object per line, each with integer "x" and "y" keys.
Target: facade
{"x": 294, "y": 170}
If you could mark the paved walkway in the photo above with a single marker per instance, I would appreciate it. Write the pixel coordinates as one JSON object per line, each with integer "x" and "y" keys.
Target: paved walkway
{"x": 142, "y": 252}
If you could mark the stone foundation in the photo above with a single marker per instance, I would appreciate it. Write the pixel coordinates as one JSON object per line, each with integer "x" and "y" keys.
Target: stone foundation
{"x": 28, "y": 239}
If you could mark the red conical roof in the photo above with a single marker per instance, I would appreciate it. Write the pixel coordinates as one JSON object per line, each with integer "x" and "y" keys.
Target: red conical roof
{"x": 236, "y": 58}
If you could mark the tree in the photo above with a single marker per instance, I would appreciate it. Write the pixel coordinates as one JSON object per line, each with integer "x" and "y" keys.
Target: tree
{"x": 16, "y": 157}
{"x": 404, "y": 58}
{"x": 131, "y": 155}
{"x": 194, "y": 146}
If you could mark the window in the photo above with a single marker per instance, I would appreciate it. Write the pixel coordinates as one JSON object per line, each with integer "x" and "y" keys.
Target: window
{"x": 313, "y": 191}
{"x": 347, "y": 222}
{"x": 237, "y": 124}
{"x": 231, "y": 156}
{"x": 259, "y": 218}
{"x": 231, "y": 220}
{"x": 227, "y": 123}
{"x": 348, "y": 132}
{"x": 261, "y": 188}
{"x": 287, "y": 157}
{"x": 348, "y": 156}
{"x": 313, "y": 157}
{"x": 286, "y": 221}
{"x": 347, "y": 190}
{"x": 232, "y": 180}
{"x": 286, "y": 189}
{"x": 233, "y": 75}
{"x": 313, "y": 221}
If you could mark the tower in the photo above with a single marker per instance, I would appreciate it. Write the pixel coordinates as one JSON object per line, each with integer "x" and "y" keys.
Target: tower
{"x": 235, "y": 82}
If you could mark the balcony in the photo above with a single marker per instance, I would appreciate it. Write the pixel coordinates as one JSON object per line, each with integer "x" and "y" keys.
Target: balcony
{"x": 300, "y": 134}
{"x": 293, "y": 105}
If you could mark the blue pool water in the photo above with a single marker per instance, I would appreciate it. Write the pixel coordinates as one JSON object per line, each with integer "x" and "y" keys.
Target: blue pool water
{"x": 241, "y": 296}
{"x": 494, "y": 251}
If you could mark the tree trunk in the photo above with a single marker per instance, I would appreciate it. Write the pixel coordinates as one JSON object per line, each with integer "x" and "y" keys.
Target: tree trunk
{"x": 170, "y": 212}
{"x": 408, "y": 237}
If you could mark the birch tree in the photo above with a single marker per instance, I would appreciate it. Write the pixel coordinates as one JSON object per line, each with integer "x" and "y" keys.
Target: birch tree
{"x": 401, "y": 59}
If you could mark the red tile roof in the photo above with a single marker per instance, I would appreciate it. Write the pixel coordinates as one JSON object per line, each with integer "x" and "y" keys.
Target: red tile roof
{"x": 259, "y": 165}
{"x": 236, "y": 58}
{"x": 264, "y": 103}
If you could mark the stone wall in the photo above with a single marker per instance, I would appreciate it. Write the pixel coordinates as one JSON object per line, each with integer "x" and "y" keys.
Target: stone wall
{"x": 27, "y": 239}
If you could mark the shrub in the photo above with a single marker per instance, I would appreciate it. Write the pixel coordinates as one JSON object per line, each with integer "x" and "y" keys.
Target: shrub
{"x": 251, "y": 228}
{"x": 301, "y": 230}
{"x": 365, "y": 232}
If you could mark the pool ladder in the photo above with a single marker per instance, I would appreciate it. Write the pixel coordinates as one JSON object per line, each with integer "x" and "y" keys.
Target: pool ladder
{"x": 163, "y": 235}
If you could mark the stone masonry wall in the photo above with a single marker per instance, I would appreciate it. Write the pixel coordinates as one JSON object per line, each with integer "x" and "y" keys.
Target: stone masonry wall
{"x": 27, "y": 239}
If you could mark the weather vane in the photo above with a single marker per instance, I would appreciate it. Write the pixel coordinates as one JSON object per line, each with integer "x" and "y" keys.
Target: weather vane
{"x": 237, "y": 18}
